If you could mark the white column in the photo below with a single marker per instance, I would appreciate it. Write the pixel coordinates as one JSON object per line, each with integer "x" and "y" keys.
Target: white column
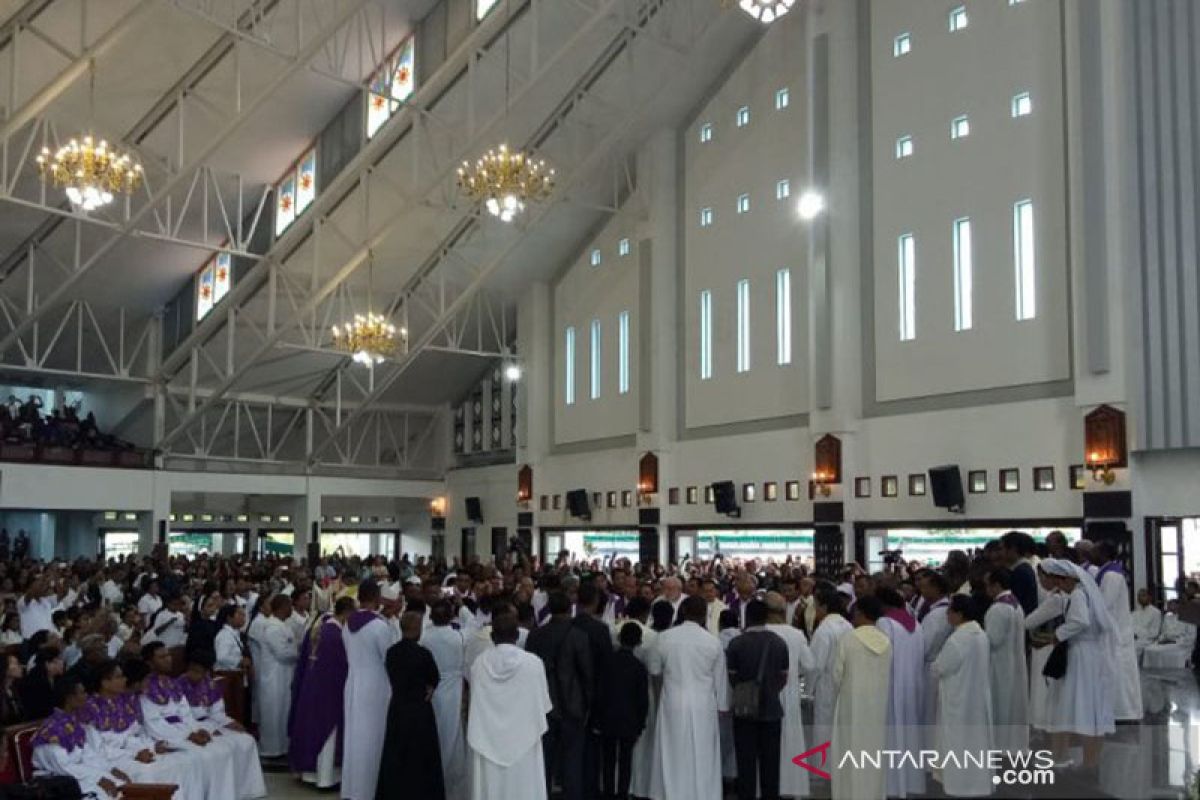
{"x": 160, "y": 513}
{"x": 307, "y": 510}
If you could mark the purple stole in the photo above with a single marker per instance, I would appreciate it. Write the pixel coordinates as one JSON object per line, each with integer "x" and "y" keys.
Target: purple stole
{"x": 63, "y": 729}
{"x": 200, "y": 695}
{"x": 1008, "y": 599}
{"x": 109, "y": 714}
{"x": 1112, "y": 566}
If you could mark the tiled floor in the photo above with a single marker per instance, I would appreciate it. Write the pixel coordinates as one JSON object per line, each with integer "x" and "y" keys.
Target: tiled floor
{"x": 1151, "y": 760}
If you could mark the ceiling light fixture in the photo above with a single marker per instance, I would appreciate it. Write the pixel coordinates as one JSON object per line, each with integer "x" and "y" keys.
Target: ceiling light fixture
{"x": 369, "y": 338}
{"x": 513, "y": 372}
{"x": 765, "y": 11}
{"x": 91, "y": 172}
{"x": 811, "y": 204}
{"x": 505, "y": 180}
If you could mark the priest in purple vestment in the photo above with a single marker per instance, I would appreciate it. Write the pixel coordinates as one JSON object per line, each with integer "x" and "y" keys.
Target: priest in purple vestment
{"x": 315, "y": 727}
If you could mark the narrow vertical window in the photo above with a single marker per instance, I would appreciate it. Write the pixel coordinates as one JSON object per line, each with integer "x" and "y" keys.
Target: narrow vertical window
{"x": 902, "y": 45}
{"x": 706, "y": 132}
{"x": 569, "y": 370}
{"x": 623, "y": 353}
{"x": 743, "y": 325}
{"x": 743, "y": 203}
{"x": 706, "y": 217}
{"x": 960, "y": 127}
{"x": 1024, "y": 260}
{"x": 783, "y": 316}
{"x": 595, "y": 257}
{"x": 706, "y": 343}
{"x": 907, "y": 258}
{"x": 782, "y": 99}
{"x": 743, "y": 116}
{"x": 1022, "y": 105}
{"x": 623, "y": 247}
{"x": 963, "y": 277}
{"x": 958, "y": 19}
{"x": 595, "y": 360}
{"x": 783, "y": 189}
{"x": 904, "y": 147}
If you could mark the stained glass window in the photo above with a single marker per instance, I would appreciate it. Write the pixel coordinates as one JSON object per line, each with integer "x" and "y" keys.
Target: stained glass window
{"x": 392, "y": 85}
{"x": 296, "y": 191}
{"x": 285, "y": 204}
{"x": 204, "y": 292}
{"x": 222, "y": 277}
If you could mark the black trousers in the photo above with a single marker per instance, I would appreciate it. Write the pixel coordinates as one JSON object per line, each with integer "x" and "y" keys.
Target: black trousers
{"x": 565, "y": 747}
{"x": 757, "y": 747}
{"x": 618, "y": 766}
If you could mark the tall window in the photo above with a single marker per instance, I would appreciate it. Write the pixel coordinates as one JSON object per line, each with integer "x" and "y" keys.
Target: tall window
{"x": 623, "y": 247}
{"x": 482, "y": 7}
{"x": 783, "y": 189}
{"x": 783, "y": 316}
{"x": 962, "y": 274}
{"x": 1024, "y": 260}
{"x": 706, "y": 339}
{"x": 706, "y": 132}
{"x": 595, "y": 360}
{"x": 743, "y": 203}
{"x": 623, "y": 353}
{"x": 296, "y": 191}
{"x": 214, "y": 282}
{"x": 743, "y": 116}
{"x": 569, "y": 371}
{"x": 907, "y": 258}
{"x": 706, "y": 217}
{"x": 391, "y": 86}
{"x": 783, "y": 98}
{"x": 595, "y": 257}
{"x": 743, "y": 325}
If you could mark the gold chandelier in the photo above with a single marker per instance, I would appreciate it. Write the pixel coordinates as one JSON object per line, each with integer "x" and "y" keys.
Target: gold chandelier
{"x": 505, "y": 180}
{"x": 91, "y": 172}
{"x": 369, "y": 338}
{"x": 765, "y": 11}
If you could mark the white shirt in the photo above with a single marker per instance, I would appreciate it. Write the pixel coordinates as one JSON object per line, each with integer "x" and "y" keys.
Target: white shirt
{"x": 147, "y": 605}
{"x": 36, "y": 615}
{"x": 174, "y": 635}
{"x": 228, "y": 645}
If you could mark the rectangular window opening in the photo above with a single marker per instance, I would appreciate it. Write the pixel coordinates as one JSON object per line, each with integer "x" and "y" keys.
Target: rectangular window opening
{"x": 1024, "y": 260}
{"x": 743, "y": 325}
{"x": 963, "y": 275}
{"x": 595, "y": 360}
{"x": 569, "y": 370}
{"x": 706, "y": 341}
{"x": 623, "y": 353}
{"x": 907, "y": 260}
{"x": 783, "y": 316}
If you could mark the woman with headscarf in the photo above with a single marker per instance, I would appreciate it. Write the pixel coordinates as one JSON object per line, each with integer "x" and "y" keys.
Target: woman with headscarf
{"x": 1080, "y": 701}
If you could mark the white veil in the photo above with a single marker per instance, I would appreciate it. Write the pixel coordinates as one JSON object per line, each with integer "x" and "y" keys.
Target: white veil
{"x": 1097, "y": 608}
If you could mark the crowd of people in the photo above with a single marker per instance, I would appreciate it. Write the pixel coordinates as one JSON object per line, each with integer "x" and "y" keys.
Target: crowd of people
{"x": 23, "y": 422}
{"x": 594, "y": 679}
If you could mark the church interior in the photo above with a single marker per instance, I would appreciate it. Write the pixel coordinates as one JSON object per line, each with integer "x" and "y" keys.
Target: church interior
{"x": 341, "y": 319}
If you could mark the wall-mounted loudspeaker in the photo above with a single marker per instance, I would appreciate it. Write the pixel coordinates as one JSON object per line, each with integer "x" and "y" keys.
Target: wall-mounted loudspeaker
{"x": 578, "y": 505}
{"x": 438, "y": 523}
{"x": 725, "y": 498}
{"x": 314, "y": 553}
{"x": 945, "y": 483}
{"x": 474, "y": 510}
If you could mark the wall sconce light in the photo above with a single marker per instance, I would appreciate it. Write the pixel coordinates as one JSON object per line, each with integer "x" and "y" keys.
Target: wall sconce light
{"x": 823, "y": 483}
{"x": 827, "y": 462}
{"x": 437, "y": 506}
{"x": 524, "y": 485}
{"x": 1104, "y": 438}
{"x": 647, "y": 478}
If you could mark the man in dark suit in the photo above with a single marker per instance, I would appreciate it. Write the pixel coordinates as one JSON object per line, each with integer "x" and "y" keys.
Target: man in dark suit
{"x": 589, "y": 604}
{"x": 623, "y": 712}
{"x": 1018, "y": 547}
{"x": 570, "y": 676}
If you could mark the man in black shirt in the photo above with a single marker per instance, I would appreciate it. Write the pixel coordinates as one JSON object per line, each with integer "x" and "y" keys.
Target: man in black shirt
{"x": 1017, "y": 547}
{"x": 566, "y": 654}
{"x": 588, "y": 606}
{"x": 758, "y": 657}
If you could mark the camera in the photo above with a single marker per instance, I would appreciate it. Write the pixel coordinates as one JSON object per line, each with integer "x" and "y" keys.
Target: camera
{"x": 892, "y": 557}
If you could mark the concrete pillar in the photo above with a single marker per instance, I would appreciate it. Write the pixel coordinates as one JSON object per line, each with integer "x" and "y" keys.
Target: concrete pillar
{"x": 306, "y": 520}
{"x": 150, "y": 524}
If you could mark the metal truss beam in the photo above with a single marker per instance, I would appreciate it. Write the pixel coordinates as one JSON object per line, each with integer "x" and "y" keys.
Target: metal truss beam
{"x": 177, "y": 180}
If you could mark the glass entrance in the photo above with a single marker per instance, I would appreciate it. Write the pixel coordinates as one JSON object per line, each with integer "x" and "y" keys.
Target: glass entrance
{"x": 121, "y": 543}
{"x": 930, "y": 546}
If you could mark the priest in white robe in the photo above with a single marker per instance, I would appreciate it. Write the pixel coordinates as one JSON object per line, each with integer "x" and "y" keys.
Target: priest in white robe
{"x": 861, "y": 674}
{"x": 509, "y": 703}
{"x": 1127, "y": 693}
{"x": 935, "y": 629}
{"x": 449, "y": 650}
{"x": 906, "y": 702}
{"x": 792, "y": 782}
{"x": 695, "y": 688}
{"x": 1004, "y": 625}
{"x": 1147, "y": 621}
{"x": 964, "y": 725}
{"x": 831, "y": 625}
{"x": 277, "y": 652}
{"x": 368, "y": 691}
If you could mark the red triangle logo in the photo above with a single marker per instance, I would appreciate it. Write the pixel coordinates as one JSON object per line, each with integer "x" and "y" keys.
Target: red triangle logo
{"x": 800, "y": 760}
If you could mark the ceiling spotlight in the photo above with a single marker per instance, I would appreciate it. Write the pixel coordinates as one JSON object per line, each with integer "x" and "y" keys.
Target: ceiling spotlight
{"x": 766, "y": 11}
{"x": 513, "y": 372}
{"x": 812, "y": 203}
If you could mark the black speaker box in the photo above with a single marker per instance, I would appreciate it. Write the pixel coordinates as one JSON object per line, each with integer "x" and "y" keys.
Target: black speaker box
{"x": 1107, "y": 505}
{"x": 524, "y": 519}
{"x": 577, "y": 504}
{"x": 725, "y": 498}
{"x": 438, "y": 523}
{"x": 648, "y": 516}
{"x": 648, "y": 546}
{"x": 829, "y": 512}
{"x": 314, "y": 531}
{"x": 474, "y": 510}
{"x": 945, "y": 484}
{"x": 314, "y": 553}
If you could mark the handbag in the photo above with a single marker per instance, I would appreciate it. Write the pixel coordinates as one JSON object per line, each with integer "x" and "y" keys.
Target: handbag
{"x": 1056, "y": 664}
{"x": 747, "y": 695}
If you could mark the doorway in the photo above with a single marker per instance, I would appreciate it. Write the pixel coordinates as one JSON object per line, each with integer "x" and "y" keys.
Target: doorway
{"x": 1173, "y": 554}
{"x": 930, "y": 544}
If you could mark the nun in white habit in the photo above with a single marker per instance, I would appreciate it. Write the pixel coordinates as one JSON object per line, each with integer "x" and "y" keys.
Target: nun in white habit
{"x": 1038, "y": 623}
{"x": 1081, "y": 702}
